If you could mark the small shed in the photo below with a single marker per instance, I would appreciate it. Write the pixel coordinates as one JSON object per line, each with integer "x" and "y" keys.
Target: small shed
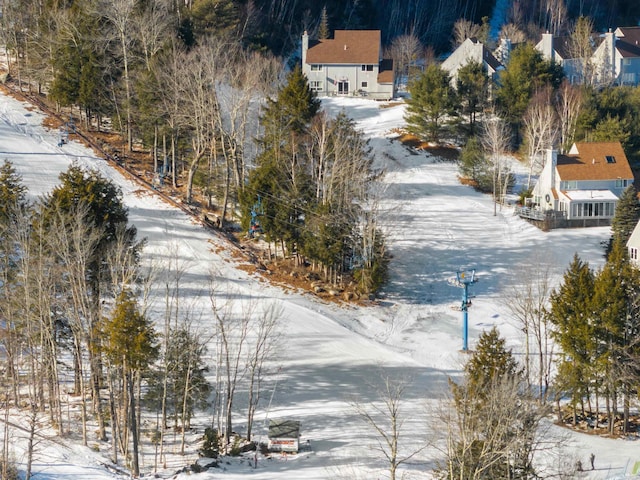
{"x": 284, "y": 435}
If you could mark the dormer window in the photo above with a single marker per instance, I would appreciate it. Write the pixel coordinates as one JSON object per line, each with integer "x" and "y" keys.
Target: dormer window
{"x": 367, "y": 68}
{"x": 610, "y": 159}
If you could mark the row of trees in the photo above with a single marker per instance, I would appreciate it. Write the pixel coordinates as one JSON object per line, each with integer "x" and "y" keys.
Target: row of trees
{"x": 316, "y": 187}
{"x": 74, "y": 300}
{"x": 193, "y": 95}
{"x": 596, "y": 320}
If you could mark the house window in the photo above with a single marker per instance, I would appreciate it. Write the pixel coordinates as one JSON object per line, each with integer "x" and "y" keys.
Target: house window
{"x": 572, "y": 185}
{"x": 633, "y": 253}
{"x": 626, "y": 61}
{"x": 316, "y": 68}
{"x": 315, "y": 85}
{"x": 367, "y": 68}
{"x": 610, "y": 158}
{"x": 365, "y": 84}
{"x": 628, "y": 78}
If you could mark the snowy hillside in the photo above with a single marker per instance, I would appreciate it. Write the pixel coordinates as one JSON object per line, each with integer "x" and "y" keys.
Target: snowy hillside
{"x": 333, "y": 354}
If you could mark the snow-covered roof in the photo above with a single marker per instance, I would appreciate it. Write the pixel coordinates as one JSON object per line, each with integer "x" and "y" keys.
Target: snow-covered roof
{"x": 590, "y": 195}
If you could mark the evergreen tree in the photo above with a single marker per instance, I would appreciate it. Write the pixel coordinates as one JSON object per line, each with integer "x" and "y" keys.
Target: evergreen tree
{"x": 12, "y": 191}
{"x": 187, "y": 386}
{"x": 291, "y": 112}
{"x": 473, "y": 91}
{"x": 474, "y": 166}
{"x": 612, "y": 129}
{"x": 616, "y": 291}
{"x": 214, "y": 17}
{"x": 432, "y": 103}
{"x": 526, "y": 73}
{"x": 491, "y": 360}
{"x": 495, "y": 419}
{"x": 323, "y": 29}
{"x": 130, "y": 345}
{"x": 281, "y": 179}
{"x": 626, "y": 216}
{"x": 574, "y": 330}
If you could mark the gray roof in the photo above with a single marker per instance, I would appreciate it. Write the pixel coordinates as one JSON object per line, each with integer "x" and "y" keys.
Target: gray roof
{"x": 284, "y": 429}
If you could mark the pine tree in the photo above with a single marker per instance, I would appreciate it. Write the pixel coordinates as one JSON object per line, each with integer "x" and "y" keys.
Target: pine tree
{"x": 616, "y": 289}
{"x": 574, "y": 330}
{"x": 130, "y": 344}
{"x": 291, "y": 111}
{"x": 626, "y": 216}
{"x": 491, "y": 360}
{"x": 474, "y": 166}
{"x": 12, "y": 191}
{"x": 281, "y": 178}
{"x": 323, "y": 29}
{"x": 432, "y": 102}
{"x": 495, "y": 417}
{"x": 473, "y": 90}
{"x": 526, "y": 73}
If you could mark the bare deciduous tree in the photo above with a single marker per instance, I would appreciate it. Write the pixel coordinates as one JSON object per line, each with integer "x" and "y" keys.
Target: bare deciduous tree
{"x": 464, "y": 29}
{"x": 405, "y": 50}
{"x": 527, "y": 299}
{"x": 231, "y": 331}
{"x": 265, "y": 342}
{"x": 581, "y": 48}
{"x": 121, "y": 16}
{"x": 495, "y": 140}
{"x": 386, "y": 418}
{"x": 568, "y": 103}
{"x": 540, "y": 127}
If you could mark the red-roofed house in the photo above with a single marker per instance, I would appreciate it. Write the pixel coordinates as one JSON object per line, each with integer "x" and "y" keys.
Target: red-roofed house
{"x": 585, "y": 184}
{"x": 350, "y": 63}
{"x": 618, "y": 57}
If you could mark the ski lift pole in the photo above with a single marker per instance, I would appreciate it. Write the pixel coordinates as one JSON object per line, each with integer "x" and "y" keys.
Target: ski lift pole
{"x": 464, "y": 278}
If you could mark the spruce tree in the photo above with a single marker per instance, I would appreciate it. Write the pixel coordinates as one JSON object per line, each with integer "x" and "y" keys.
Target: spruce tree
{"x": 616, "y": 290}
{"x": 491, "y": 360}
{"x": 473, "y": 90}
{"x": 474, "y": 165}
{"x": 432, "y": 103}
{"x": 574, "y": 329}
{"x": 626, "y": 216}
{"x": 292, "y": 110}
{"x": 323, "y": 29}
{"x": 12, "y": 191}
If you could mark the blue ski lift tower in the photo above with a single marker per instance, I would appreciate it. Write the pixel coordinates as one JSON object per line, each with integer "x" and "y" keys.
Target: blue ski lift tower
{"x": 465, "y": 278}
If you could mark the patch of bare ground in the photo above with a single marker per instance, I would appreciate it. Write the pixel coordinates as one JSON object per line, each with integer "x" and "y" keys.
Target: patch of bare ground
{"x": 443, "y": 151}
{"x": 593, "y": 424}
{"x": 299, "y": 276}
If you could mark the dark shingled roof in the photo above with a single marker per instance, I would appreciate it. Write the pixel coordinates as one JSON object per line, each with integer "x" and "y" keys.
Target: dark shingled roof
{"x": 284, "y": 429}
{"x": 629, "y": 44}
{"x": 385, "y": 74}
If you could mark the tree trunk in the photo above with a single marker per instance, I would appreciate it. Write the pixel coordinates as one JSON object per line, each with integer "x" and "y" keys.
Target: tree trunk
{"x": 133, "y": 425}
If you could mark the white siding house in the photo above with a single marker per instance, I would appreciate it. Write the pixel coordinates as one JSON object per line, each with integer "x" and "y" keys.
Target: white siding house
{"x": 349, "y": 64}
{"x": 633, "y": 246}
{"x": 558, "y": 49}
{"x": 585, "y": 184}
{"x": 617, "y": 58}
{"x": 472, "y": 50}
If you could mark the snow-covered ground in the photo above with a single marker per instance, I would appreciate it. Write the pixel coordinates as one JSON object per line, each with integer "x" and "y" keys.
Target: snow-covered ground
{"x": 333, "y": 354}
